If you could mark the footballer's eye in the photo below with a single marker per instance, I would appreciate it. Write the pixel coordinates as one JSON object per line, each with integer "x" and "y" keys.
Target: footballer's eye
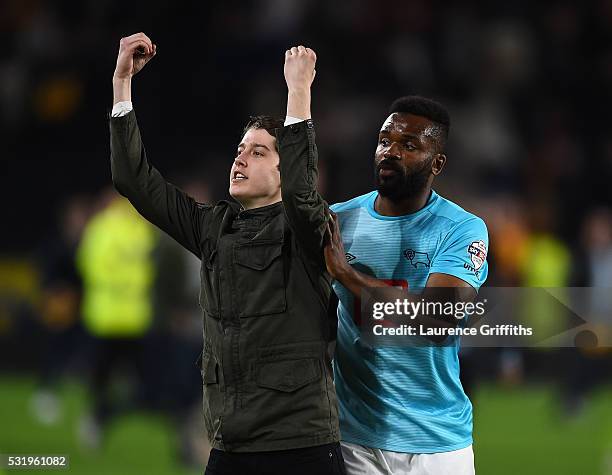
{"x": 409, "y": 146}
{"x": 384, "y": 141}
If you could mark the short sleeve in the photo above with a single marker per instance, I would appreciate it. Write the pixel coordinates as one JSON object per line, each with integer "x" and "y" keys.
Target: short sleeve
{"x": 463, "y": 253}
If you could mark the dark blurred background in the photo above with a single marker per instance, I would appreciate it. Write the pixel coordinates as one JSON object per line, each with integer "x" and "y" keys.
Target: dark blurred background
{"x": 527, "y": 85}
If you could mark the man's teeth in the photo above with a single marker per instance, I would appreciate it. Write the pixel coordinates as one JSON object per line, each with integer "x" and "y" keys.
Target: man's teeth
{"x": 239, "y": 176}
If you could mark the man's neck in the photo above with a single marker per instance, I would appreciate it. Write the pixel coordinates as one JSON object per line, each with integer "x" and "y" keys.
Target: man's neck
{"x": 387, "y": 207}
{"x": 259, "y": 204}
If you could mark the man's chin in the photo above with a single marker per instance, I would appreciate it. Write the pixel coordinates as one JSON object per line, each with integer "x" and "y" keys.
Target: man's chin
{"x": 389, "y": 187}
{"x": 240, "y": 196}
{"x": 236, "y": 193}
{"x": 395, "y": 193}
{"x": 387, "y": 192}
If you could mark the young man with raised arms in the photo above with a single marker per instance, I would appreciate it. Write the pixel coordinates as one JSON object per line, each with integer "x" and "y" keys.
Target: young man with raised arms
{"x": 269, "y": 400}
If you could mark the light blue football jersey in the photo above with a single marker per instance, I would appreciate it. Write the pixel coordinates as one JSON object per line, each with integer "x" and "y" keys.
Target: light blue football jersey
{"x": 405, "y": 399}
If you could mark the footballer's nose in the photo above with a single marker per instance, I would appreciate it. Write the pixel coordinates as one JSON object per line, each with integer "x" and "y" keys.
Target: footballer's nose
{"x": 392, "y": 153}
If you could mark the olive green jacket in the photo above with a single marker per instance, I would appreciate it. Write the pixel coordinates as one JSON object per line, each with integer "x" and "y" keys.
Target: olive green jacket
{"x": 264, "y": 294}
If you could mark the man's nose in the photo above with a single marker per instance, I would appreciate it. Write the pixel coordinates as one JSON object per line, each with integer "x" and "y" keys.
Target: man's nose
{"x": 392, "y": 152}
{"x": 240, "y": 160}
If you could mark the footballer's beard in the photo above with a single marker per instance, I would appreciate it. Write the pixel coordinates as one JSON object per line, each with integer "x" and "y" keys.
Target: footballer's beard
{"x": 403, "y": 185}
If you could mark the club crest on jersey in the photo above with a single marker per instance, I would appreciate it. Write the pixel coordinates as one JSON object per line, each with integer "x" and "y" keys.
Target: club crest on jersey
{"x": 349, "y": 257}
{"x": 478, "y": 253}
{"x": 416, "y": 258}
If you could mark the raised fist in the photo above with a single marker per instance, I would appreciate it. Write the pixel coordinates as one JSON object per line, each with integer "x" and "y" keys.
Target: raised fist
{"x": 134, "y": 52}
{"x": 299, "y": 67}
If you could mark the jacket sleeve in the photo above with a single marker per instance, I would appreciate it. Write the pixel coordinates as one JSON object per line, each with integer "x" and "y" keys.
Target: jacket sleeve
{"x": 305, "y": 209}
{"x": 160, "y": 202}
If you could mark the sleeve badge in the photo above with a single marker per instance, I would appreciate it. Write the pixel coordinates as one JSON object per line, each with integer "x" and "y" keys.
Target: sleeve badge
{"x": 478, "y": 253}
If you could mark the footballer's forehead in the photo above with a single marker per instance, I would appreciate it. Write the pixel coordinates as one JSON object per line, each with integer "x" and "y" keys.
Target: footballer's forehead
{"x": 404, "y": 123}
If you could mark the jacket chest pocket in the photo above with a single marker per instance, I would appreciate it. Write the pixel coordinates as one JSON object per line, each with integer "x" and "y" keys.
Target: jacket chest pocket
{"x": 260, "y": 278}
{"x": 209, "y": 287}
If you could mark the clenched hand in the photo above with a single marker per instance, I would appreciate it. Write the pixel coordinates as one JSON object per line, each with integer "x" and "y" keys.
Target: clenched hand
{"x": 299, "y": 73}
{"x": 299, "y": 67}
{"x": 134, "y": 52}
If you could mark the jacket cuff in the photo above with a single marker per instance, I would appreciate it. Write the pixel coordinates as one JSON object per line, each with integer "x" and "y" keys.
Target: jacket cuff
{"x": 124, "y": 122}
{"x": 121, "y": 108}
{"x": 294, "y": 133}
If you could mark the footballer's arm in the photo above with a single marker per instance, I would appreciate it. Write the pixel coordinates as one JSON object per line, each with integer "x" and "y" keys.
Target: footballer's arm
{"x": 438, "y": 285}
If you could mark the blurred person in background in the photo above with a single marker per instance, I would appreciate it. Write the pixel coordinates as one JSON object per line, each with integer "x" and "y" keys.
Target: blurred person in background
{"x": 511, "y": 237}
{"x": 269, "y": 400}
{"x": 59, "y": 305}
{"x": 178, "y": 337}
{"x": 588, "y": 366}
{"x": 403, "y": 408}
{"x": 545, "y": 261}
{"x": 115, "y": 260}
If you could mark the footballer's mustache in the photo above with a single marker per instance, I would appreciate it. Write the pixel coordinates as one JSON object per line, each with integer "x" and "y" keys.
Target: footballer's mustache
{"x": 388, "y": 164}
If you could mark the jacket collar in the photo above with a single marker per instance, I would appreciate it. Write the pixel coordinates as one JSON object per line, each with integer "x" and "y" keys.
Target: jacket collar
{"x": 261, "y": 212}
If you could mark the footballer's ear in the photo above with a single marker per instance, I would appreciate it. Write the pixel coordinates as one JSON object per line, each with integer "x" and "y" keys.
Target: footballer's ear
{"x": 438, "y": 163}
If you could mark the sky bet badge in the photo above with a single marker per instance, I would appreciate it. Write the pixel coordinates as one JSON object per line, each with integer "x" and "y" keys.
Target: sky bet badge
{"x": 478, "y": 253}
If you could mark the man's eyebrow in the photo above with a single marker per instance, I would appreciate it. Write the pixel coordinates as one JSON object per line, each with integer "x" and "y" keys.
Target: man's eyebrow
{"x": 261, "y": 145}
{"x": 403, "y": 135}
{"x": 255, "y": 145}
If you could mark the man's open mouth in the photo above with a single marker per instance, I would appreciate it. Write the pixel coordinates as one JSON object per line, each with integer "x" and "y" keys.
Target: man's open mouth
{"x": 239, "y": 176}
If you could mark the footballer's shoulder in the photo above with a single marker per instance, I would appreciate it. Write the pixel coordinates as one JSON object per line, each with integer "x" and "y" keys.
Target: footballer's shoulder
{"x": 353, "y": 203}
{"x": 450, "y": 210}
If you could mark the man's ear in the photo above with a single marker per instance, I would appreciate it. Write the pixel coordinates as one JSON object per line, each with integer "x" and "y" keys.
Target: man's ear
{"x": 438, "y": 163}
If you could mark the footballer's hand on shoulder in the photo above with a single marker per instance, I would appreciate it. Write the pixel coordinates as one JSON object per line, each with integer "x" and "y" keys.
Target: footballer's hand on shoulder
{"x": 333, "y": 251}
{"x": 299, "y": 68}
{"x": 134, "y": 52}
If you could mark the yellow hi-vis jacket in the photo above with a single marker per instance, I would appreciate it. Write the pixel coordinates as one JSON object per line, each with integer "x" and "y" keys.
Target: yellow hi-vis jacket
{"x": 116, "y": 263}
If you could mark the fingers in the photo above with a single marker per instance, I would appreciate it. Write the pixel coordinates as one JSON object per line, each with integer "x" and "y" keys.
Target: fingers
{"x": 138, "y": 40}
{"x": 333, "y": 218}
{"x": 336, "y": 226}
{"x": 311, "y": 52}
{"x": 329, "y": 230}
{"x": 139, "y": 46}
{"x": 332, "y": 226}
{"x": 328, "y": 236}
{"x": 300, "y": 50}
{"x": 148, "y": 40}
{"x": 152, "y": 53}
